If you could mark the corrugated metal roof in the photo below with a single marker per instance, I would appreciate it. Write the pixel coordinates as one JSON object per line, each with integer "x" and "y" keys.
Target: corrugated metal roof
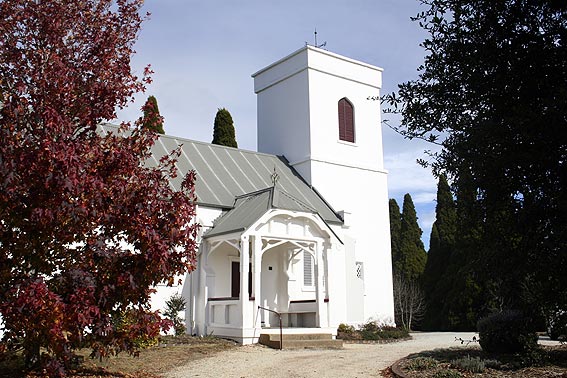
{"x": 225, "y": 173}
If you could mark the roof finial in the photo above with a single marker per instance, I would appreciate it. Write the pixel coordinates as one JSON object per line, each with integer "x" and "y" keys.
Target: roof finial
{"x": 275, "y": 177}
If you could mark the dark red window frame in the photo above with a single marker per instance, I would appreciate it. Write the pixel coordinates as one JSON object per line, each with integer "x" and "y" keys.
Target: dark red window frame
{"x": 346, "y": 120}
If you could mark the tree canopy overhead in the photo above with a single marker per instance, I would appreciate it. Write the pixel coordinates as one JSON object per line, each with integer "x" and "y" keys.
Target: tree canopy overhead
{"x": 86, "y": 229}
{"x": 492, "y": 92}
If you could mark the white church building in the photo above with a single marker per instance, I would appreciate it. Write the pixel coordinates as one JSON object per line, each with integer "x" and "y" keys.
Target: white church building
{"x": 299, "y": 229}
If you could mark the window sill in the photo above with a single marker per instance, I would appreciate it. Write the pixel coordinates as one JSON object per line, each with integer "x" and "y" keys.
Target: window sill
{"x": 352, "y": 144}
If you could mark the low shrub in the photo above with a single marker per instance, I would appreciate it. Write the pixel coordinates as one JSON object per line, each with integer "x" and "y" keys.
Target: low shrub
{"x": 534, "y": 356}
{"x": 506, "y": 332}
{"x": 373, "y": 330}
{"x": 422, "y": 363}
{"x": 468, "y": 363}
{"x": 345, "y": 328}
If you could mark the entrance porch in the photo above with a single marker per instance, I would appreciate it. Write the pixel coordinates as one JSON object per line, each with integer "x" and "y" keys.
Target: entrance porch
{"x": 277, "y": 267}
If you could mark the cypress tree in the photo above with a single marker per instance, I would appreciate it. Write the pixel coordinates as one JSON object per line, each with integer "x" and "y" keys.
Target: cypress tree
{"x": 441, "y": 247}
{"x": 152, "y": 119}
{"x": 466, "y": 296}
{"x": 223, "y": 132}
{"x": 395, "y": 230}
{"x": 412, "y": 252}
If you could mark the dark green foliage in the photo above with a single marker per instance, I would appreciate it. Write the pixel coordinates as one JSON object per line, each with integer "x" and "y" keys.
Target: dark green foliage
{"x": 507, "y": 332}
{"x": 411, "y": 260}
{"x": 395, "y": 231}
{"x": 152, "y": 119}
{"x": 441, "y": 248}
{"x": 173, "y": 306}
{"x": 223, "y": 132}
{"x": 492, "y": 92}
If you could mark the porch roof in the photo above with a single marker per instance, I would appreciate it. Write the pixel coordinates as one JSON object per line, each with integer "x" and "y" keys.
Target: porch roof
{"x": 250, "y": 207}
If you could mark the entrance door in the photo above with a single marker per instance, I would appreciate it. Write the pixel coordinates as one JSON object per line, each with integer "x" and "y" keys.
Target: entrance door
{"x": 235, "y": 279}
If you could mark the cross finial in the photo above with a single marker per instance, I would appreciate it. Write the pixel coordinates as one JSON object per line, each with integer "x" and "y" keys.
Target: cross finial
{"x": 275, "y": 177}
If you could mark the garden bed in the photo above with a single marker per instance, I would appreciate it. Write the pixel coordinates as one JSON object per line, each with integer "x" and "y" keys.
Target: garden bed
{"x": 473, "y": 362}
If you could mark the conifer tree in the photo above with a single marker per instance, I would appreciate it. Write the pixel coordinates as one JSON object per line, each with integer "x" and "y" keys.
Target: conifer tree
{"x": 395, "y": 230}
{"x": 152, "y": 119}
{"x": 412, "y": 252}
{"x": 441, "y": 246}
{"x": 223, "y": 132}
{"x": 466, "y": 281}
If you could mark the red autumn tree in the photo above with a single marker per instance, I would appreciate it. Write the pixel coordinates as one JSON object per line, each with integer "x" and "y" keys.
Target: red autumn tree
{"x": 86, "y": 229}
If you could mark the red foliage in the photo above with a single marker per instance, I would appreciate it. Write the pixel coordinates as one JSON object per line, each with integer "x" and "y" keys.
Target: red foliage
{"x": 86, "y": 229}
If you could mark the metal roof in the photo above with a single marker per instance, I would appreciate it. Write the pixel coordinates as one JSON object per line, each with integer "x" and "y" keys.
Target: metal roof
{"x": 250, "y": 207}
{"x": 225, "y": 173}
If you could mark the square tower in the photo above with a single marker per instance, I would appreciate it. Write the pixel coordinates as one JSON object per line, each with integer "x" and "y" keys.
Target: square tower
{"x": 316, "y": 109}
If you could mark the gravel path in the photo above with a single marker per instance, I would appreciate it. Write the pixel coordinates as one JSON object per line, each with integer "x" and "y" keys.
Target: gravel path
{"x": 355, "y": 360}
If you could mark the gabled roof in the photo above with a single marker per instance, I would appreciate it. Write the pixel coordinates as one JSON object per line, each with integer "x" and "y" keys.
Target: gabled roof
{"x": 250, "y": 207}
{"x": 226, "y": 173}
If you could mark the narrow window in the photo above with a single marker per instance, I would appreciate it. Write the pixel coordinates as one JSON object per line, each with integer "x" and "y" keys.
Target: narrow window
{"x": 346, "y": 120}
{"x": 307, "y": 269}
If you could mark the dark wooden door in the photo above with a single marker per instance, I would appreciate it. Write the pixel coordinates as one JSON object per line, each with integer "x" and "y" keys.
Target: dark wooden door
{"x": 235, "y": 279}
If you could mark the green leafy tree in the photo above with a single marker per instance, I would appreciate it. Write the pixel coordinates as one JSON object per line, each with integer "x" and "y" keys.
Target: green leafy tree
{"x": 152, "y": 120}
{"x": 412, "y": 258}
{"x": 492, "y": 93}
{"x": 223, "y": 132}
{"x": 395, "y": 231}
{"x": 441, "y": 247}
{"x": 86, "y": 228}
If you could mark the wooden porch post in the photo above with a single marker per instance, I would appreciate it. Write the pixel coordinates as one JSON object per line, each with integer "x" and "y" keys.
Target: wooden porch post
{"x": 257, "y": 267}
{"x": 244, "y": 296}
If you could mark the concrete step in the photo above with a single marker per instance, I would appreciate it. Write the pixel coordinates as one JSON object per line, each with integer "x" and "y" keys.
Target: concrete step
{"x": 301, "y": 341}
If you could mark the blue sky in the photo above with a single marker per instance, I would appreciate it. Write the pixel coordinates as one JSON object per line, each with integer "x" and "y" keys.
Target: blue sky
{"x": 203, "y": 53}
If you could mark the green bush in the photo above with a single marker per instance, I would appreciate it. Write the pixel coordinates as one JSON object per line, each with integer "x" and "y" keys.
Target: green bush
{"x": 421, "y": 363}
{"x": 506, "y": 332}
{"x": 345, "y": 328}
{"x": 373, "y": 330}
{"x": 468, "y": 363}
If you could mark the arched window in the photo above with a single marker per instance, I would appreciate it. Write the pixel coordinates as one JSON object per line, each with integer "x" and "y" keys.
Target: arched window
{"x": 346, "y": 120}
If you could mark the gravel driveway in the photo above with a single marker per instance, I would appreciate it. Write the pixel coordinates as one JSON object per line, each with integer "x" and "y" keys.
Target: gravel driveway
{"x": 355, "y": 360}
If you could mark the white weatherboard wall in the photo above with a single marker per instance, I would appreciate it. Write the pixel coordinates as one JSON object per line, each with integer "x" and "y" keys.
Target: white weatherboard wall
{"x": 298, "y": 117}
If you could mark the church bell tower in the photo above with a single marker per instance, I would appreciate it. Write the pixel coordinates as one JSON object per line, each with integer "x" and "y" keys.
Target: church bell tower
{"x": 315, "y": 108}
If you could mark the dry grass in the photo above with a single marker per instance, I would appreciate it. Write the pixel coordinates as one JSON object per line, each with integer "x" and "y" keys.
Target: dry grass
{"x": 151, "y": 363}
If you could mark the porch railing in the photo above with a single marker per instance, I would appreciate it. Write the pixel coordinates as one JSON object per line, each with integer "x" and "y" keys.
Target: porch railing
{"x": 280, "y": 317}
